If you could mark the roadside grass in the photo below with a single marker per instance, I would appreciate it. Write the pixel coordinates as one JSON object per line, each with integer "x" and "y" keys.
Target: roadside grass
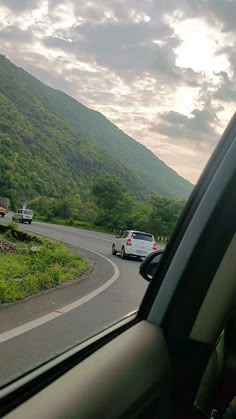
{"x": 73, "y": 223}
{"x": 36, "y": 266}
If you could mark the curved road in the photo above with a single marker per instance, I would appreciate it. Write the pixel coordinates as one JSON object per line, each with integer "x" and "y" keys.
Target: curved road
{"x": 40, "y": 328}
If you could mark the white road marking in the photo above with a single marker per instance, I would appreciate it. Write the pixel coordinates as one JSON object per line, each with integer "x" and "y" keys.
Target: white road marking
{"x": 19, "y": 330}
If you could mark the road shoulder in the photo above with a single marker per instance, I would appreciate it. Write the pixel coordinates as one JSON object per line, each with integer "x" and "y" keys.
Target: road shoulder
{"x": 16, "y": 314}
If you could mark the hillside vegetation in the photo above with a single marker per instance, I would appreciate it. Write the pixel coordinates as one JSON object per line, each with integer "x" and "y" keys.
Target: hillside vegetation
{"x": 51, "y": 145}
{"x": 40, "y": 154}
{"x": 110, "y": 205}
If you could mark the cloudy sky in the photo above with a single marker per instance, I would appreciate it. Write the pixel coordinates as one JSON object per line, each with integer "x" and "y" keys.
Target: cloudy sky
{"x": 162, "y": 70}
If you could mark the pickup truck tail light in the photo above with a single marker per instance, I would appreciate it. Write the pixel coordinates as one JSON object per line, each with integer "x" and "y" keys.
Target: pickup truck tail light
{"x": 129, "y": 242}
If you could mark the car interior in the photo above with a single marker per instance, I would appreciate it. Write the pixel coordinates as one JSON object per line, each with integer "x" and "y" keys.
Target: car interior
{"x": 218, "y": 384}
{"x": 176, "y": 357}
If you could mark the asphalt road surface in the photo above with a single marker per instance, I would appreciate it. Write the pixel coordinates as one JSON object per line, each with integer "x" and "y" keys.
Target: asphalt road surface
{"x": 38, "y": 329}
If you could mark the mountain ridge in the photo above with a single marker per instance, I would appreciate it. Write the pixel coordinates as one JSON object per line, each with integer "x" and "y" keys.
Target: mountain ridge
{"x": 88, "y": 138}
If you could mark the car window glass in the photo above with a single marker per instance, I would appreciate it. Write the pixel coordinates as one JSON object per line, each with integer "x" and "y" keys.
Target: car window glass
{"x": 142, "y": 236}
{"x": 28, "y": 212}
{"x": 107, "y": 119}
{"x": 120, "y": 235}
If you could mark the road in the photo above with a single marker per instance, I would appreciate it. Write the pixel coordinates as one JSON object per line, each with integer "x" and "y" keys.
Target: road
{"x": 38, "y": 329}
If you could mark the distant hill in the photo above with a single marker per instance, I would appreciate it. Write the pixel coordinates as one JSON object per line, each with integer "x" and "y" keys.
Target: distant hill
{"x": 156, "y": 175}
{"x": 50, "y": 144}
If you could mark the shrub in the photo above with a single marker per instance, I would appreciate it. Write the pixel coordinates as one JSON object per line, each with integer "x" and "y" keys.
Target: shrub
{"x": 24, "y": 273}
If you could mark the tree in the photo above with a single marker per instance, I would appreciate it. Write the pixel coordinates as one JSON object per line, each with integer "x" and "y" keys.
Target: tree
{"x": 158, "y": 215}
{"x": 108, "y": 190}
{"x": 113, "y": 201}
{"x": 43, "y": 206}
{"x": 165, "y": 214}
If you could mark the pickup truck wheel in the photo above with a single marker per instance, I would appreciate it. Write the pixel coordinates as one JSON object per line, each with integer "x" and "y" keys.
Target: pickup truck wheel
{"x": 113, "y": 249}
{"x": 30, "y": 222}
{"x": 2, "y": 215}
{"x": 123, "y": 254}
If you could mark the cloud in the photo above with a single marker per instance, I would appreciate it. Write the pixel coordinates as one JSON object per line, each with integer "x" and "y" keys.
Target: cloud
{"x": 197, "y": 127}
{"x": 14, "y": 34}
{"x": 20, "y": 5}
{"x": 226, "y": 91}
{"x": 122, "y": 58}
{"x": 215, "y": 12}
{"x": 119, "y": 46}
{"x": 129, "y": 50}
{"x": 230, "y": 52}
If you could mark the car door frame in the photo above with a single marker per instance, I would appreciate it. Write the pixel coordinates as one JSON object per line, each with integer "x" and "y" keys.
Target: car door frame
{"x": 124, "y": 239}
{"x": 117, "y": 241}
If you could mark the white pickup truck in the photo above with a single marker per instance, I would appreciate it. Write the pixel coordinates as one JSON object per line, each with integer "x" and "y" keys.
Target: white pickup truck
{"x": 23, "y": 215}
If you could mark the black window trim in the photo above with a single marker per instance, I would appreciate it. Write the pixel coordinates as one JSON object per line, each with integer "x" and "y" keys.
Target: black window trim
{"x": 190, "y": 209}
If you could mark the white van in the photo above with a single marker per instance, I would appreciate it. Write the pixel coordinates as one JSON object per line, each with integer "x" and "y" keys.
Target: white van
{"x": 23, "y": 216}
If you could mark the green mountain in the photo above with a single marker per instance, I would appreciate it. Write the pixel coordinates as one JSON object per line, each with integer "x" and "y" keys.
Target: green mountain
{"x": 52, "y": 145}
{"x": 154, "y": 173}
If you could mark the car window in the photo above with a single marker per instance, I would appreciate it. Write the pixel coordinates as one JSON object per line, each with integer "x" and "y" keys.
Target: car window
{"x": 28, "y": 212}
{"x": 107, "y": 119}
{"x": 142, "y": 236}
{"x": 121, "y": 235}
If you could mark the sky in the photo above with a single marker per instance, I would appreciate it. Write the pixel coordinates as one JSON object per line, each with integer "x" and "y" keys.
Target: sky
{"x": 161, "y": 70}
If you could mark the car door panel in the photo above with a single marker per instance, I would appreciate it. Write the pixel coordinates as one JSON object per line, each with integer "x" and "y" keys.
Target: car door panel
{"x": 226, "y": 390}
{"x": 124, "y": 239}
{"x": 104, "y": 377}
{"x": 211, "y": 378}
{"x": 119, "y": 242}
